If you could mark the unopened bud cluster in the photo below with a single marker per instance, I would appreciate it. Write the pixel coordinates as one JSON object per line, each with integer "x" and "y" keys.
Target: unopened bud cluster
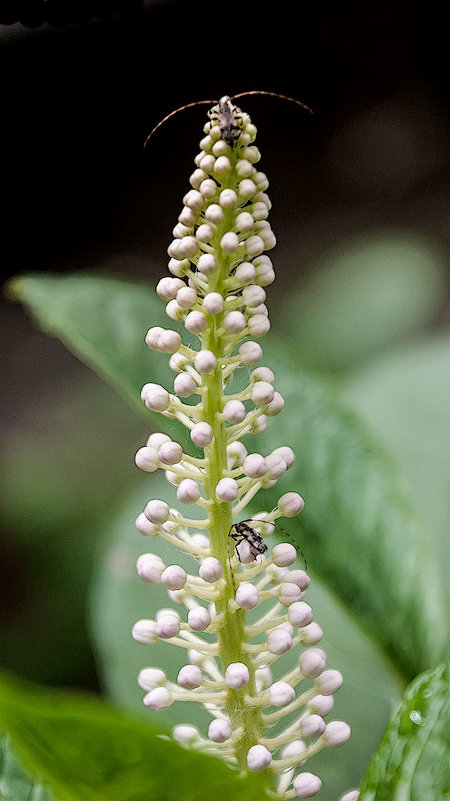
{"x": 234, "y": 667}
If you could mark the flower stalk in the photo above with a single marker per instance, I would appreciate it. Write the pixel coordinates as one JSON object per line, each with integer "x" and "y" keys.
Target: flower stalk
{"x": 216, "y": 288}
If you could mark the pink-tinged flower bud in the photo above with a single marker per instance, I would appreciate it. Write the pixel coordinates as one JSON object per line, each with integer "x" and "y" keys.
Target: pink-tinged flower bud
{"x": 144, "y": 526}
{"x": 195, "y": 322}
{"x": 281, "y": 694}
{"x": 168, "y": 287}
{"x": 155, "y": 397}
{"x": 199, "y": 618}
{"x": 210, "y": 569}
{"x": 279, "y": 641}
{"x": 219, "y": 730}
{"x": 254, "y": 465}
{"x": 264, "y": 374}
{"x": 170, "y": 452}
{"x": 250, "y": 353}
{"x": 286, "y": 453}
{"x": 275, "y": 406}
{"x": 184, "y": 385}
{"x": 353, "y": 795}
{"x": 188, "y": 491}
{"x": 234, "y": 411}
{"x": 186, "y": 297}
{"x": 167, "y": 624}
{"x": 284, "y": 554}
{"x": 205, "y": 361}
{"x": 157, "y": 511}
{"x": 312, "y": 726}
{"x": 276, "y": 466}
{"x": 156, "y": 439}
{"x": 190, "y": 677}
{"x": 149, "y": 678}
{"x": 200, "y": 540}
{"x": 259, "y": 425}
{"x": 293, "y": 749}
{"x": 311, "y": 634}
{"x": 185, "y": 734}
{"x": 253, "y": 295}
{"x": 337, "y": 733}
{"x": 153, "y": 334}
{"x": 258, "y": 758}
{"x": 149, "y": 568}
{"x": 291, "y": 504}
{"x": 236, "y": 675}
{"x": 144, "y": 631}
{"x": 261, "y": 392}
{"x": 227, "y": 490}
{"x": 169, "y": 341}
{"x": 320, "y": 705}
{"x": 245, "y": 271}
{"x": 329, "y": 681}
{"x": 158, "y": 699}
{"x": 213, "y": 303}
{"x": 201, "y": 434}
{"x": 263, "y": 678}
{"x": 174, "y": 577}
{"x": 147, "y": 459}
{"x": 288, "y": 593}
{"x": 236, "y": 453}
{"x": 300, "y": 578}
{"x": 258, "y": 324}
{"x": 307, "y": 785}
{"x": 247, "y": 595}
{"x": 234, "y": 322}
{"x": 300, "y": 614}
{"x": 207, "y": 264}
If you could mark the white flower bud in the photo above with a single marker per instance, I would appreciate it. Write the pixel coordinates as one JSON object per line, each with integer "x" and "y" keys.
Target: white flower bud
{"x": 184, "y": 385}
{"x": 185, "y": 734}
{"x": 276, "y": 405}
{"x": 229, "y": 242}
{"x": 244, "y": 223}
{"x": 234, "y": 411}
{"x": 311, "y": 634}
{"x": 252, "y": 153}
{"x": 258, "y": 325}
{"x": 289, "y": 593}
{"x": 194, "y": 200}
{"x": 312, "y": 726}
{"x": 174, "y": 577}
{"x": 213, "y": 303}
{"x": 170, "y": 452}
{"x": 250, "y": 353}
{"x": 174, "y": 311}
{"x": 291, "y": 504}
{"x": 228, "y": 198}
{"x": 293, "y": 749}
{"x": 258, "y": 757}
{"x": 155, "y": 397}
{"x": 260, "y": 210}
{"x": 199, "y": 618}
{"x": 187, "y": 218}
{"x": 320, "y": 705}
{"x": 299, "y": 613}
{"x": 190, "y": 677}
{"x": 243, "y": 168}
{"x": 236, "y": 453}
{"x": 219, "y": 730}
{"x": 157, "y": 511}
{"x": 144, "y": 526}
{"x": 227, "y": 490}
{"x": 195, "y": 322}
{"x": 237, "y": 675}
{"x": 186, "y": 297}
{"x": 263, "y": 678}
{"x": 222, "y": 165}
{"x": 158, "y": 699}
{"x": 247, "y": 595}
{"x": 221, "y": 148}
{"x": 263, "y": 374}
{"x": 207, "y": 263}
{"x": 279, "y": 641}
{"x": 245, "y": 273}
{"x": 214, "y": 213}
{"x": 247, "y": 188}
{"x": 208, "y": 187}
{"x": 179, "y": 267}
{"x": 265, "y": 274}
{"x": 149, "y": 568}
{"x": 206, "y": 143}
{"x": 167, "y": 624}
{"x": 204, "y": 233}
{"x": 306, "y": 785}
{"x": 253, "y": 295}
{"x": 168, "y": 287}
{"x": 149, "y": 678}
{"x": 329, "y": 681}
{"x": 234, "y": 322}
{"x": 254, "y": 465}
{"x": 144, "y": 631}
{"x": 281, "y": 694}
{"x": 169, "y": 341}
{"x": 300, "y": 578}
{"x": 259, "y": 425}
{"x": 337, "y": 733}
{"x": 205, "y": 361}
{"x": 286, "y": 453}
{"x": 210, "y": 569}
{"x": 147, "y": 459}
{"x": 188, "y": 491}
{"x": 187, "y": 247}
{"x": 284, "y": 554}
{"x": 261, "y": 181}
{"x": 201, "y": 434}
{"x": 197, "y": 177}
{"x": 353, "y": 795}
{"x": 200, "y": 540}
{"x": 261, "y": 392}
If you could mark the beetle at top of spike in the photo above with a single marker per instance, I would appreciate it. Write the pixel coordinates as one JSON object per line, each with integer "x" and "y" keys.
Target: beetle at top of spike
{"x": 224, "y": 113}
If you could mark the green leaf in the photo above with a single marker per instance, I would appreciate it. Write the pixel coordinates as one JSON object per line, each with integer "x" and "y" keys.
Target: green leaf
{"x": 119, "y": 598}
{"x": 412, "y": 762}
{"x": 85, "y": 750}
{"x": 360, "y": 529}
{"x": 16, "y": 783}
{"x": 405, "y": 397}
{"x": 362, "y": 296}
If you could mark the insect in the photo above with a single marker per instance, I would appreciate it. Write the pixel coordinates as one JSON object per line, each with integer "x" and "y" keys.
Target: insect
{"x": 240, "y": 532}
{"x": 226, "y": 115}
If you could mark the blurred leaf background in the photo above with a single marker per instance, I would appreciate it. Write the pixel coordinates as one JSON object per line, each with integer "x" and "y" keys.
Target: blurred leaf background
{"x": 360, "y": 210}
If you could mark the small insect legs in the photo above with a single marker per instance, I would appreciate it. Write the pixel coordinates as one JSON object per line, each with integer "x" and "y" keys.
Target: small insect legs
{"x": 226, "y": 114}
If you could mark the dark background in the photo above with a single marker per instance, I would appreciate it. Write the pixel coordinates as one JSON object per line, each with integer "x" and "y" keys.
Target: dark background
{"x": 78, "y": 191}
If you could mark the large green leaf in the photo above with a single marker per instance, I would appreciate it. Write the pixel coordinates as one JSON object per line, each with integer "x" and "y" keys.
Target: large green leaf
{"x": 412, "y": 762}
{"x": 405, "y": 397}
{"x": 363, "y": 295}
{"x": 84, "y": 750}
{"x": 360, "y": 529}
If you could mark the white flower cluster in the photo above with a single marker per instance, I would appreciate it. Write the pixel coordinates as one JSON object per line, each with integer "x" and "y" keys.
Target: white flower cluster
{"x": 216, "y": 288}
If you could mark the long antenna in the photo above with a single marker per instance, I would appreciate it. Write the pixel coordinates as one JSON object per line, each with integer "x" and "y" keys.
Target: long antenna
{"x": 175, "y": 111}
{"x": 274, "y": 94}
